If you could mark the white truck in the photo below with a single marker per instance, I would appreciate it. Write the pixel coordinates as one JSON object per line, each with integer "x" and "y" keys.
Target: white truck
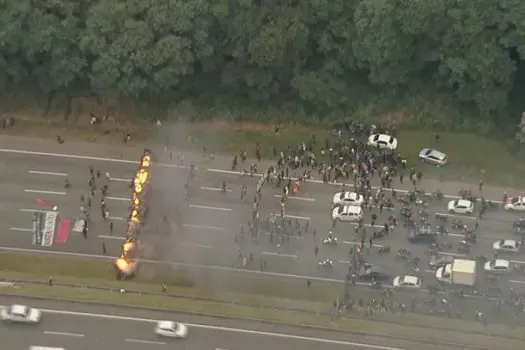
{"x": 461, "y": 272}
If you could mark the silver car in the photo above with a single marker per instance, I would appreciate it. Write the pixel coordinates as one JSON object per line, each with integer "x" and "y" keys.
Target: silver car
{"x": 433, "y": 156}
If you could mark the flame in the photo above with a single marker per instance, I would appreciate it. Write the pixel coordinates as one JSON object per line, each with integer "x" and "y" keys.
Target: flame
{"x": 127, "y": 262}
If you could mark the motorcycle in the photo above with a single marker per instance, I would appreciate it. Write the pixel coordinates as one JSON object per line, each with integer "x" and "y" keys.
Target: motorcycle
{"x": 326, "y": 263}
{"x": 330, "y": 240}
{"x": 383, "y": 250}
{"x": 464, "y": 247}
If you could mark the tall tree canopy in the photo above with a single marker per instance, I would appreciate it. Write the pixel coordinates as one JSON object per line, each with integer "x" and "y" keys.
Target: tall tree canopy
{"x": 322, "y": 55}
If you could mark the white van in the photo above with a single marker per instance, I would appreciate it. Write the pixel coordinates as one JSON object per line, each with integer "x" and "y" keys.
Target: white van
{"x": 349, "y": 213}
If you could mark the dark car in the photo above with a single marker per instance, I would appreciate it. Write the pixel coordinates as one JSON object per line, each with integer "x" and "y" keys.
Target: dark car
{"x": 374, "y": 274}
{"x": 519, "y": 225}
{"x": 437, "y": 261}
{"x": 422, "y": 234}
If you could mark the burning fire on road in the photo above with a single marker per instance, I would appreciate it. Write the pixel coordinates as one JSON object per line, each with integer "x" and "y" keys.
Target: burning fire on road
{"x": 128, "y": 261}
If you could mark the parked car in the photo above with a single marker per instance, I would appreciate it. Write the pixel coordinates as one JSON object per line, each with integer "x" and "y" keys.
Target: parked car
{"x": 515, "y": 204}
{"x": 407, "y": 282}
{"x": 382, "y": 141}
{"x": 506, "y": 246}
{"x": 374, "y": 273}
{"x": 497, "y": 266}
{"x": 433, "y": 156}
{"x": 460, "y": 206}
{"x": 347, "y": 198}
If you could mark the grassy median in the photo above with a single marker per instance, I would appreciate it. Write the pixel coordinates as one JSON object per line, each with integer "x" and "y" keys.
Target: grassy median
{"x": 472, "y": 158}
{"x": 243, "y": 298}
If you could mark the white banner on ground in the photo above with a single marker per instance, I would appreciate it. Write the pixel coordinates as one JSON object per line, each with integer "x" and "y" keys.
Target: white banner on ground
{"x": 78, "y": 226}
{"x": 49, "y": 229}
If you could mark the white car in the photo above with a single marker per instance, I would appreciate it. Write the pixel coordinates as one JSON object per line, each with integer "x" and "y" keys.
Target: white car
{"x": 407, "y": 282}
{"x": 347, "y": 198}
{"x": 20, "y": 314}
{"x": 498, "y": 266}
{"x": 460, "y": 206}
{"x": 382, "y": 141}
{"x": 350, "y": 213}
{"x": 433, "y": 156}
{"x": 515, "y": 204}
{"x": 508, "y": 246}
{"x": 171, "y": 329}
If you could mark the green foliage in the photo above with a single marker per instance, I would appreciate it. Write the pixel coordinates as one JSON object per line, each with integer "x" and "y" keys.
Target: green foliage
{"x": 324, "y": 59}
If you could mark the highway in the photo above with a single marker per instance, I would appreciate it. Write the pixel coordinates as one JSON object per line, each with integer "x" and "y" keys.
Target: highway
{"x": 83, "y": 327}
{"x": 209, "y": 224}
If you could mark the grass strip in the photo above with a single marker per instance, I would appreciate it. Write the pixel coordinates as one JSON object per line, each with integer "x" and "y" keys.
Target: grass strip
{"x": 472, "y": 158}
{"x": 308, "y": 304}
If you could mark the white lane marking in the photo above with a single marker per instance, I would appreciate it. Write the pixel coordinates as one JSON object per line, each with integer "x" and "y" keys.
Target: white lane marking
{"x": 202, "y": 246}
{"x": 27, "y": 190}
{"x": 368, "y": 225}
{"x": 214, "y": 189}
{"x": 119, "y": 199}
{"x": 140, "y": 341}
{"x": 119, "y": 238}
{"x": 516, "y": 281}
{"x": 430, "y": 271}
{"x": 124, "y": 161}
{"x": 221, "y": 349}
{"x": 21, "y": 229}
{"x": 463, "y": 216}
{"x": 210, "y": 208}
{"x": 76, "y": 156}
{"x": 223, "y": 329}
{"x": 366, "y": 244}
{"x": 297, "y": 217}
{"x": 65, "y": 334}
{"x": 117, "y": 218}
{"x": 204, "y": 227}
{"x": 117, "y": 179}
{"x": 38, "y": 172}
{"x": 452, "y": 254}
{"x": 280, "y": 254}
{"x": 343, "y": 262}
{"x": 34, "y": 211}
{"x": 306, "y": 199}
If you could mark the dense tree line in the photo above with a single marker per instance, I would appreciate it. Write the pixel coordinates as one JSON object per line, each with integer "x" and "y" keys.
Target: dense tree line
{"x": 324, "y": 55}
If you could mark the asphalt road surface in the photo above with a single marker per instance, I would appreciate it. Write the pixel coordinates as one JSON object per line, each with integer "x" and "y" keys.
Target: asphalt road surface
{"x": 212, "y": 219}
{"x": 85, "y": 327}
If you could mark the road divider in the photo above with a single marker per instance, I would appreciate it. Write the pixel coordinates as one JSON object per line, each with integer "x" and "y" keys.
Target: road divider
{"x": 57, "y": 193}
{"x": 213, "y": 189}
{"x": 305, "y": 199}
{"x": 517, "y": 281}
{"x": 38, "y": 172}
{"x": 33, "y": 211}
{"x": 470, "y": 217}
{"x": 203, "y": 227}
{"x": 292, "y": 256}
{"x": 209, "y": 208}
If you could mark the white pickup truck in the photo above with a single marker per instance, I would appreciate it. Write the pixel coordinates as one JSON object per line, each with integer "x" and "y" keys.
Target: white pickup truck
{"x": 461, "y": 272}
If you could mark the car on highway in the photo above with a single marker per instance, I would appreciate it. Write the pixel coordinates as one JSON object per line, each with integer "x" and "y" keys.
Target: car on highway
{"x": 374, "y": 273}
{"x": 437, "y": 261}
{"x": 515, "y": 204}
{"x": 460, "y": 206}
{"x": 407, "y": 282}
{"x": 422, "y": 234}
{"x": 382, "y": 141}
{"x": 20, "y": 314}
{"x": 497, "y": 266}
{"x": 506, "y": 246}
{"x": 349, "y": 213}
{"x": 171, "y": 329}
{"x": 347, "y": 198}
{"x": 433, "y": 156}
